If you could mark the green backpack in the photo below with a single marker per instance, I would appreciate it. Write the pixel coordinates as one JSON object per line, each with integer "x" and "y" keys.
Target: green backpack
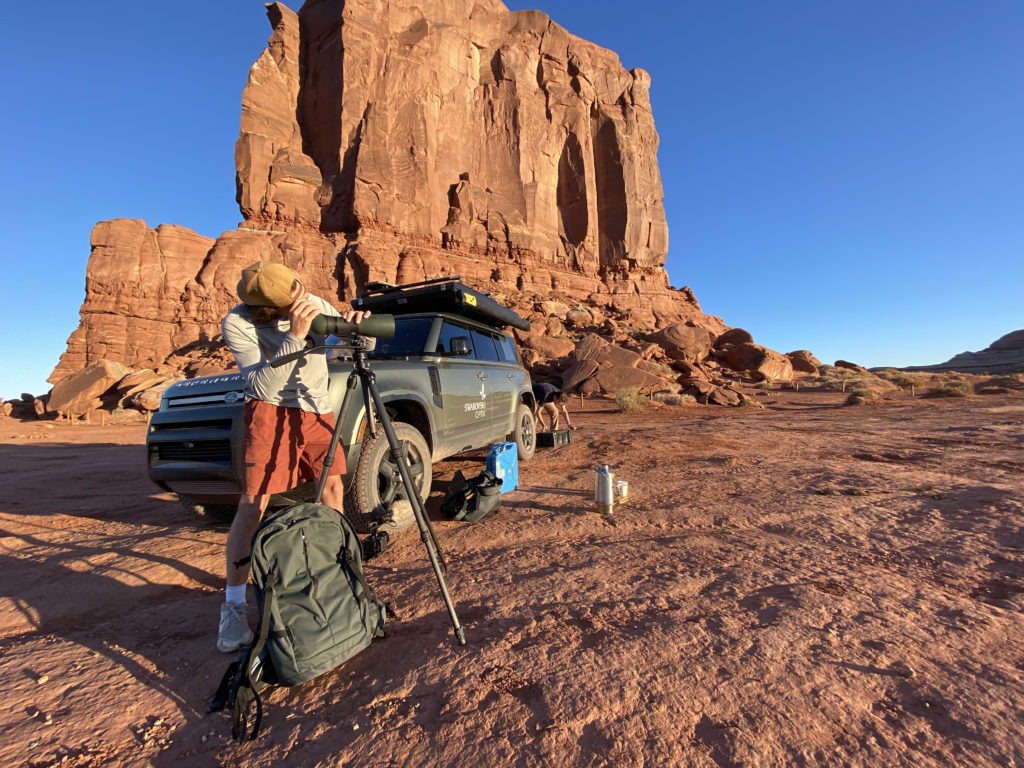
{"x": 316, "y": 609}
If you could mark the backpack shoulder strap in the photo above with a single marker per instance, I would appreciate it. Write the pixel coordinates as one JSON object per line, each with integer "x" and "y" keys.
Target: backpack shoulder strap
{"x": 246, "y": 689}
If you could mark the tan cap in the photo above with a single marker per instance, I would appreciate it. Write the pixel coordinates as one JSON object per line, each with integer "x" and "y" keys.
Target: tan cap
{"x": 267, "y": 284}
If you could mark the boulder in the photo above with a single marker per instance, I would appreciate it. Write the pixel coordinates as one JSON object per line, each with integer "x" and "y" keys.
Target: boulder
{"x": 759, "y": 362}
{"x": 79, "y": 393}
{"x": 555, "y": 309}
{"x": 846, "y": 365}
{"x": 691, "y": 371}
{"x": 683, "y": 341}
{"x": 137, "y": 382}
{"x": 723, "y": 396}
{"x": 604, "y": 353}
{"x": 617, "y": 377}
{"x": 577, "y": 373}
{"x": 549, "y": 347}
{"x": 148, "y": 400}
{"x": 804, "y": 362}
{"x": 579, "y": 317}
{"x": 733, "y": 336}
{"x": 554, "y": 327}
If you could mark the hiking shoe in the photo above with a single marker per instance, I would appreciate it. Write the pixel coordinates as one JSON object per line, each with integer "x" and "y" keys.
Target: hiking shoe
{"x": 396, "y": 517}
{"x": 234, "y": 629}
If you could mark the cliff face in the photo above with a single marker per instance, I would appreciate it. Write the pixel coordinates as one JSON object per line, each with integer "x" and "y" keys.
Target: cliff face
{"x": 1004, "y": 355}
{"x": 402, "y": 141}
{"x": 459, "y": 124}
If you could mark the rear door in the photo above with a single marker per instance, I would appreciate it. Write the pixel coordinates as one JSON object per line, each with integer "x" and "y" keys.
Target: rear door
{"x": 502, "y": 383}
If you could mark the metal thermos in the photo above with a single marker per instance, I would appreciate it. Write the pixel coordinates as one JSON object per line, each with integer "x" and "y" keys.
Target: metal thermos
{"x": 604, "y": 489}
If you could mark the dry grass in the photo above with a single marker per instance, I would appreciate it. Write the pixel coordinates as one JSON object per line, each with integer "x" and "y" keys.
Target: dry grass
{"x": 953, "y": 387}
{"x": 863, "y": 396}
{"x": 631, "y": 400}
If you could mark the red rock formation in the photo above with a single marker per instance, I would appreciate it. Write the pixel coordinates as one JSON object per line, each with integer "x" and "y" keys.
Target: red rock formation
{"x": 402, "y": 141}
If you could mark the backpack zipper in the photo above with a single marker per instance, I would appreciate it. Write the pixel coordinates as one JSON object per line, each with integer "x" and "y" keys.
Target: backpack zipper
{"x": 312, "y": 577}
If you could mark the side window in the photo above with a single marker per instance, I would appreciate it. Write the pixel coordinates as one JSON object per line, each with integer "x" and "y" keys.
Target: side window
{"x": 506, "y": 349}
{"x": 448, "y": 332}
{"x": 485, "y": 346}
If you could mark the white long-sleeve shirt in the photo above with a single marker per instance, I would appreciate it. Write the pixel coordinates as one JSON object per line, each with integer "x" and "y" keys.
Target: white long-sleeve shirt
{"x": 301, "y": 383}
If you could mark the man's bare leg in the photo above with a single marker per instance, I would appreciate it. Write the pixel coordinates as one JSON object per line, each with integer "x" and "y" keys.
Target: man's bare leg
{"x": 234, "y": 631}
{"x": 243, "y": 527}
{"x": 334, "y": 493}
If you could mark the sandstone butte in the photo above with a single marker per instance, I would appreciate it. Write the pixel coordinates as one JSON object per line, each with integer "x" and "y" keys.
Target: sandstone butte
{"x": 405, "y": 141}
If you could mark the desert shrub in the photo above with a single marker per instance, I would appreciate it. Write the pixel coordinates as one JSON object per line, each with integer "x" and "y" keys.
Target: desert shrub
{"x": 630, "y": 399}
{"x": 863, "y": 396}
{"x": 836, "y": 379}
{"x": 905, "y": 379}
{"x": 951, "y": 388}
{"x": 1000, "y": 385}
{"x": 842, "y": 384}
{"x": 671, "y": 398}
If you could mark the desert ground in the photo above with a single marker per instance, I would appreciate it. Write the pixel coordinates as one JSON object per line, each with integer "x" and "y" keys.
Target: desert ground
{"x": 800, "y": 584}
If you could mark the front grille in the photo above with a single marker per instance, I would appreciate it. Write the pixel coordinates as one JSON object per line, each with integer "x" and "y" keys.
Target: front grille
{"x": 206, "y": 451}
{"x": 191, "y": 424}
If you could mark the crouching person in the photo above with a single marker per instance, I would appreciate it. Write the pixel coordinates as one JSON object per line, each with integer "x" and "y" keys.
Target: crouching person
{"x": 550, "y": 400}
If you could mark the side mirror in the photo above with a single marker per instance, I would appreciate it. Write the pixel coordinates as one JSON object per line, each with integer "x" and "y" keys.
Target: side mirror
{"x": 460, "y": 346}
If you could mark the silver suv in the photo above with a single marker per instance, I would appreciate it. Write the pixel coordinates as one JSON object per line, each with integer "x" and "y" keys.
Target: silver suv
{"x": 451, "y": 380}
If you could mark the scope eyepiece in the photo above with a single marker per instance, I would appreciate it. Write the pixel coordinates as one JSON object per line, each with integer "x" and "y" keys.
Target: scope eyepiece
{"x": 377, "y": 326}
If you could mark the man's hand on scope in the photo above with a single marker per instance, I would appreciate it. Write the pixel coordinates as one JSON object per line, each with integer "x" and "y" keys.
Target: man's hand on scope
{"x": 302, "y": 312}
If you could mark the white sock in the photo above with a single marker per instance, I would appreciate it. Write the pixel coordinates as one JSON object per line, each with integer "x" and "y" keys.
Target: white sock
{"x": 235, "y": 593}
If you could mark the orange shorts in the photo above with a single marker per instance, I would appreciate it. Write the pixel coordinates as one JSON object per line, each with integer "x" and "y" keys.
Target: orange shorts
{"x": 283, "y": 446}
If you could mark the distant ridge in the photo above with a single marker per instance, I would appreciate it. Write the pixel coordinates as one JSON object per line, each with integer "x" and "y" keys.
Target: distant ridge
{"x": 1005, "y": 355}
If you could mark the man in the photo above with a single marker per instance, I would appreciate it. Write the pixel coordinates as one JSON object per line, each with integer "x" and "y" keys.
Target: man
{"x": 288, "y": 416}
{"x": 549, "y": 399}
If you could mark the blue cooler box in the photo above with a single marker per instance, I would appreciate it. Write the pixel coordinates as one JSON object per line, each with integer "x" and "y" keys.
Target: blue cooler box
{"x": 503, "y": 463}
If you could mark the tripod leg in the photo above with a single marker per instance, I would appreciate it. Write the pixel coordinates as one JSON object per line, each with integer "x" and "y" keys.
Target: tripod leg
{"x": 350, "y": 388}
{"x": 426, "y": 531}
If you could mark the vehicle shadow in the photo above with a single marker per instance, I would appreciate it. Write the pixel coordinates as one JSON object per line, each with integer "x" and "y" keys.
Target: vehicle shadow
{"x": 103, "y": 580}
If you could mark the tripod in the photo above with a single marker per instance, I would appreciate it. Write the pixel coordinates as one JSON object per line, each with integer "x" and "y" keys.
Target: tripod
{"x": 363, "y": 376}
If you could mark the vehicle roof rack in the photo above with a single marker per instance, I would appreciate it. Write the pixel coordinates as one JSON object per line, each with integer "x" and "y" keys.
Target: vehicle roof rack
{"x": 443, "y": 294}
{"x": 383, "y": 287}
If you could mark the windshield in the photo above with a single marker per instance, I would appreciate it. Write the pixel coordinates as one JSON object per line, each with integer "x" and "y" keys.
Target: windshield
{"x": 409, "y": 340}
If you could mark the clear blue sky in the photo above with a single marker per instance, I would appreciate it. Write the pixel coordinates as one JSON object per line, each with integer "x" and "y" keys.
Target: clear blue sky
{"x": 844, "y": 177}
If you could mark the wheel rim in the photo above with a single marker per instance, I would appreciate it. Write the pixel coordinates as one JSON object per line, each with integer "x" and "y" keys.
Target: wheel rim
{"x": 389, "y": 478}
{"x": 526, "y": 430}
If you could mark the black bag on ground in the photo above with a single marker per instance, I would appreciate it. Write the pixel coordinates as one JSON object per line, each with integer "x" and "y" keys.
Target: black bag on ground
{"x": 472, "y": 500}
{"x": 316, "y": 609}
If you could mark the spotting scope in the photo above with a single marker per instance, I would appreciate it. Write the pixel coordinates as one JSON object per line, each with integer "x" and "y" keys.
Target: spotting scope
{"x": 378, "y": 326}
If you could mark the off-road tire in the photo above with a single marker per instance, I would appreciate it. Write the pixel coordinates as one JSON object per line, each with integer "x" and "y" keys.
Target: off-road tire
{"x": 525, "y": 432}
{"x": 376, "y": 482}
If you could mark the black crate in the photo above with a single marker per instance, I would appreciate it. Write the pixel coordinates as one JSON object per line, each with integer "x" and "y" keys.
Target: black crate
{"x": 554, "y": 439}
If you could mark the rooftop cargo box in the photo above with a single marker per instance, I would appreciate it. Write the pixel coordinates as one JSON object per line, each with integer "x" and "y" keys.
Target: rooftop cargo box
{"x": 446, "y": 294}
